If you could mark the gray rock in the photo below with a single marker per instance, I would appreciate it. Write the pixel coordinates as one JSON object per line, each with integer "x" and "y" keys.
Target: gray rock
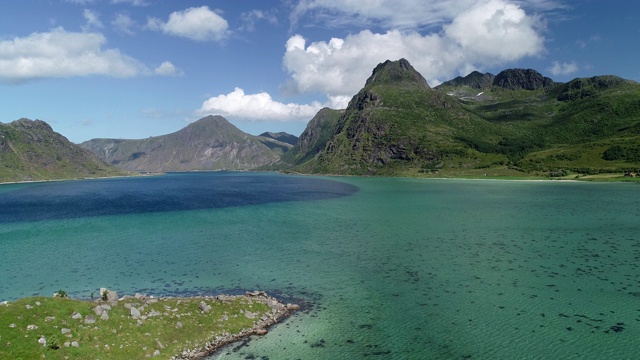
{"x": 104, "y": 316}
{"x": 179, "y": 324}
{"x": 135, "y": 312}
{"x": 111, "y": 296}
{"x": 89, "y": 319}
{"x": 293, "y": 307}
{"x": 76, "y": 316}
{"x": 204, "y": 307}
{"x": 32, "y": 327}
{"x": 75, "y": 344}
{"x": 42, "y": 340}
{"x": 98, "y": 310}
{"x": 65, "y": 331}
{"x": 156, "y": 353}
{"x": 249, "y": 315}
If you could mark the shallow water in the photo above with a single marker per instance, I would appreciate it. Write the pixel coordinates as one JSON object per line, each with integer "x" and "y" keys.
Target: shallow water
{"x": 386, "y": 268}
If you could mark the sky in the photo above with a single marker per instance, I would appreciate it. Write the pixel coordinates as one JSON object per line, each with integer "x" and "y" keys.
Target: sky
{"x": 130, "y": 69}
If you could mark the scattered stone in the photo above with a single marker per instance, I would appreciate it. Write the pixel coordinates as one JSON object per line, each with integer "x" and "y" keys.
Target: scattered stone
{"x": 261, "y": 332}
{"x": 4, "y": 303}
{"x": 42, "y": 340}
{"x": 38, "y": 303}
{"x": 159, "y": 344}
{"x": 140, "y": 296}
{"x": 179, "y": 324}
{"x": 135, "y": 312}
{"x": 154, "y": 313}
{"x": 89, "y": 319}
{"x": 67, "y": 343}
{"x": 293, "y": 307}
{"x": 32, "y": 327}
{"x": 76, "y": 316}
{"x": 104, "y": 316}
{"x": 49, "y": 318}
{"x": 65, "y": 331}
{"x": 156, "y": 353}
{"x": 204, "y": 307}
{"x": 249, "y": 315}
{"x": 29, "y": 306}
{"x": 12, "y": 325}
{"x": 75, "y": 344}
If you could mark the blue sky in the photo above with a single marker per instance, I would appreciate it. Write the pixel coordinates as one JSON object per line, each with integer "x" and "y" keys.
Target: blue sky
{"x": 138, "y": 68}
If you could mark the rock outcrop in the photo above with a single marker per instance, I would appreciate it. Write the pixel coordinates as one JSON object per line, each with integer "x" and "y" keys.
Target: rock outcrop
{"x": 521, "y": 79}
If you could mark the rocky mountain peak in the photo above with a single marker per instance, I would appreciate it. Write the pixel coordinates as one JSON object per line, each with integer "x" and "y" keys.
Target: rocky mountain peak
{"x": 396, "y": 72}
{"x": 521, "y": 79}
{"x": 475, "y": 79}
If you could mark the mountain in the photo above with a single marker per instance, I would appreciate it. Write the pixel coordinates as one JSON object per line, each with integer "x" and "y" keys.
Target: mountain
{"x": 514, "y": 123}
{"x": 474, "y": 80}
{"x": 211, "y": 143}
{"x": 31, "y": 150}
{"x": 281, "y": 136}
{"x": 314, "y": 138}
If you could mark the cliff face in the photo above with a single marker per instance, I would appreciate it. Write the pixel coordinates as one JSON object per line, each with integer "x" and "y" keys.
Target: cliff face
{"x": 31, "y": 150}
{"x": 314, "y": 138}
{"x": 211, "y": 143}
{"x": 385, "y": 124}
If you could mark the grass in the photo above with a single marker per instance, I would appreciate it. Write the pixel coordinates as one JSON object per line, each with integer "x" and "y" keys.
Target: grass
{"x": 178, "y": 324}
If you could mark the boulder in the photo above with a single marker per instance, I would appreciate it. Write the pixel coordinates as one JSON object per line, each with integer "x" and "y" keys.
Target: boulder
{"x": 109, "y": 295}
{"x": 204, "y": 306}
{"x": 293, "y": 307}
{"x": 89, "y": 319}
{"x": 76, "y": 316}
{"x": 104, "y": 315}
{"x": 42, "y": 340}
{"x": 134, "y": 312}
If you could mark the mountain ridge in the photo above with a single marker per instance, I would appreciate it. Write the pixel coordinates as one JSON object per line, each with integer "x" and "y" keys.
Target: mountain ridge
{"x": 210, "y": 143}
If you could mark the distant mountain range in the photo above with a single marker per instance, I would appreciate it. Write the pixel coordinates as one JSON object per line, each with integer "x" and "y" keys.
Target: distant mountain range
{"x": 517, "y": 122}
{"x": 211, "y": 143}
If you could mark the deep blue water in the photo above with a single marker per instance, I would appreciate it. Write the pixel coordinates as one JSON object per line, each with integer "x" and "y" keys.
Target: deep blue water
{"x": 173, "y": 192}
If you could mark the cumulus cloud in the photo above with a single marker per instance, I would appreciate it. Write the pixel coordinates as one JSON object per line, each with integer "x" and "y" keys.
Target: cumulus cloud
{"x": 199, "y": 24}
{"x": 488, "y": 33}
{"x": 59, "y": 54}
{"x": 166, "y": 69}
{"x": 564, "y": 68}
{"x": 257, "y": 107}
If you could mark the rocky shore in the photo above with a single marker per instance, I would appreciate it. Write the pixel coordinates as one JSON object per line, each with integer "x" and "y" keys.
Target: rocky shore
{"x": 139, "y": 326}
{"x": 279, "y": 312}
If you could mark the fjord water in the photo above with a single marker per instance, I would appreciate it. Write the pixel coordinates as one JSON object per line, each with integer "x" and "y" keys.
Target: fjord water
{"x": 386, "y": 268}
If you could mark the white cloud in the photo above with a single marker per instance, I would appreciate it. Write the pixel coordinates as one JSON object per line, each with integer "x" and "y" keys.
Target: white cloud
{"x": 257, "y": 107}
{"x": 393, "y": 14}
{"x": 123, "y": 23}
{"x": 564, "y": 68}
{"x": 93, "y": 20}
{"x": 166, "y": 69}
{"x": 490, "y": 32}
{"x": 199, "y": 24}
{"x": 59, "y": 54}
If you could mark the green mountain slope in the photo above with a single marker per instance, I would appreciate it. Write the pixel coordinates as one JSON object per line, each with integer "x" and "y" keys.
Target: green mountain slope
{"x": 515, "y": 123}
{"x": 31, "y": 150}
{"x": 211, "y": 143}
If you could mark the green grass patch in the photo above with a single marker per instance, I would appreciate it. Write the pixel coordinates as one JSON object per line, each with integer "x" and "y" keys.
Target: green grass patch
{"x": 165, "y": 328}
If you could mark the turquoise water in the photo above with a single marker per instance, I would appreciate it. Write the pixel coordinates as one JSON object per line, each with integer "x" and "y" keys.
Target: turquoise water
{"x": 400, "y": 269}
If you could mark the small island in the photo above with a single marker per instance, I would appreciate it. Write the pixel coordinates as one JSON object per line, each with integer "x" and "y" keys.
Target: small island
{"x": 133, "y": 327}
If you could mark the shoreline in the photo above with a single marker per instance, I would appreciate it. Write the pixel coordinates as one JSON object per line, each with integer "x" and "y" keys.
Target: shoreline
{"x": 280, "y": 312}
{"x": 186, "y": 328}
